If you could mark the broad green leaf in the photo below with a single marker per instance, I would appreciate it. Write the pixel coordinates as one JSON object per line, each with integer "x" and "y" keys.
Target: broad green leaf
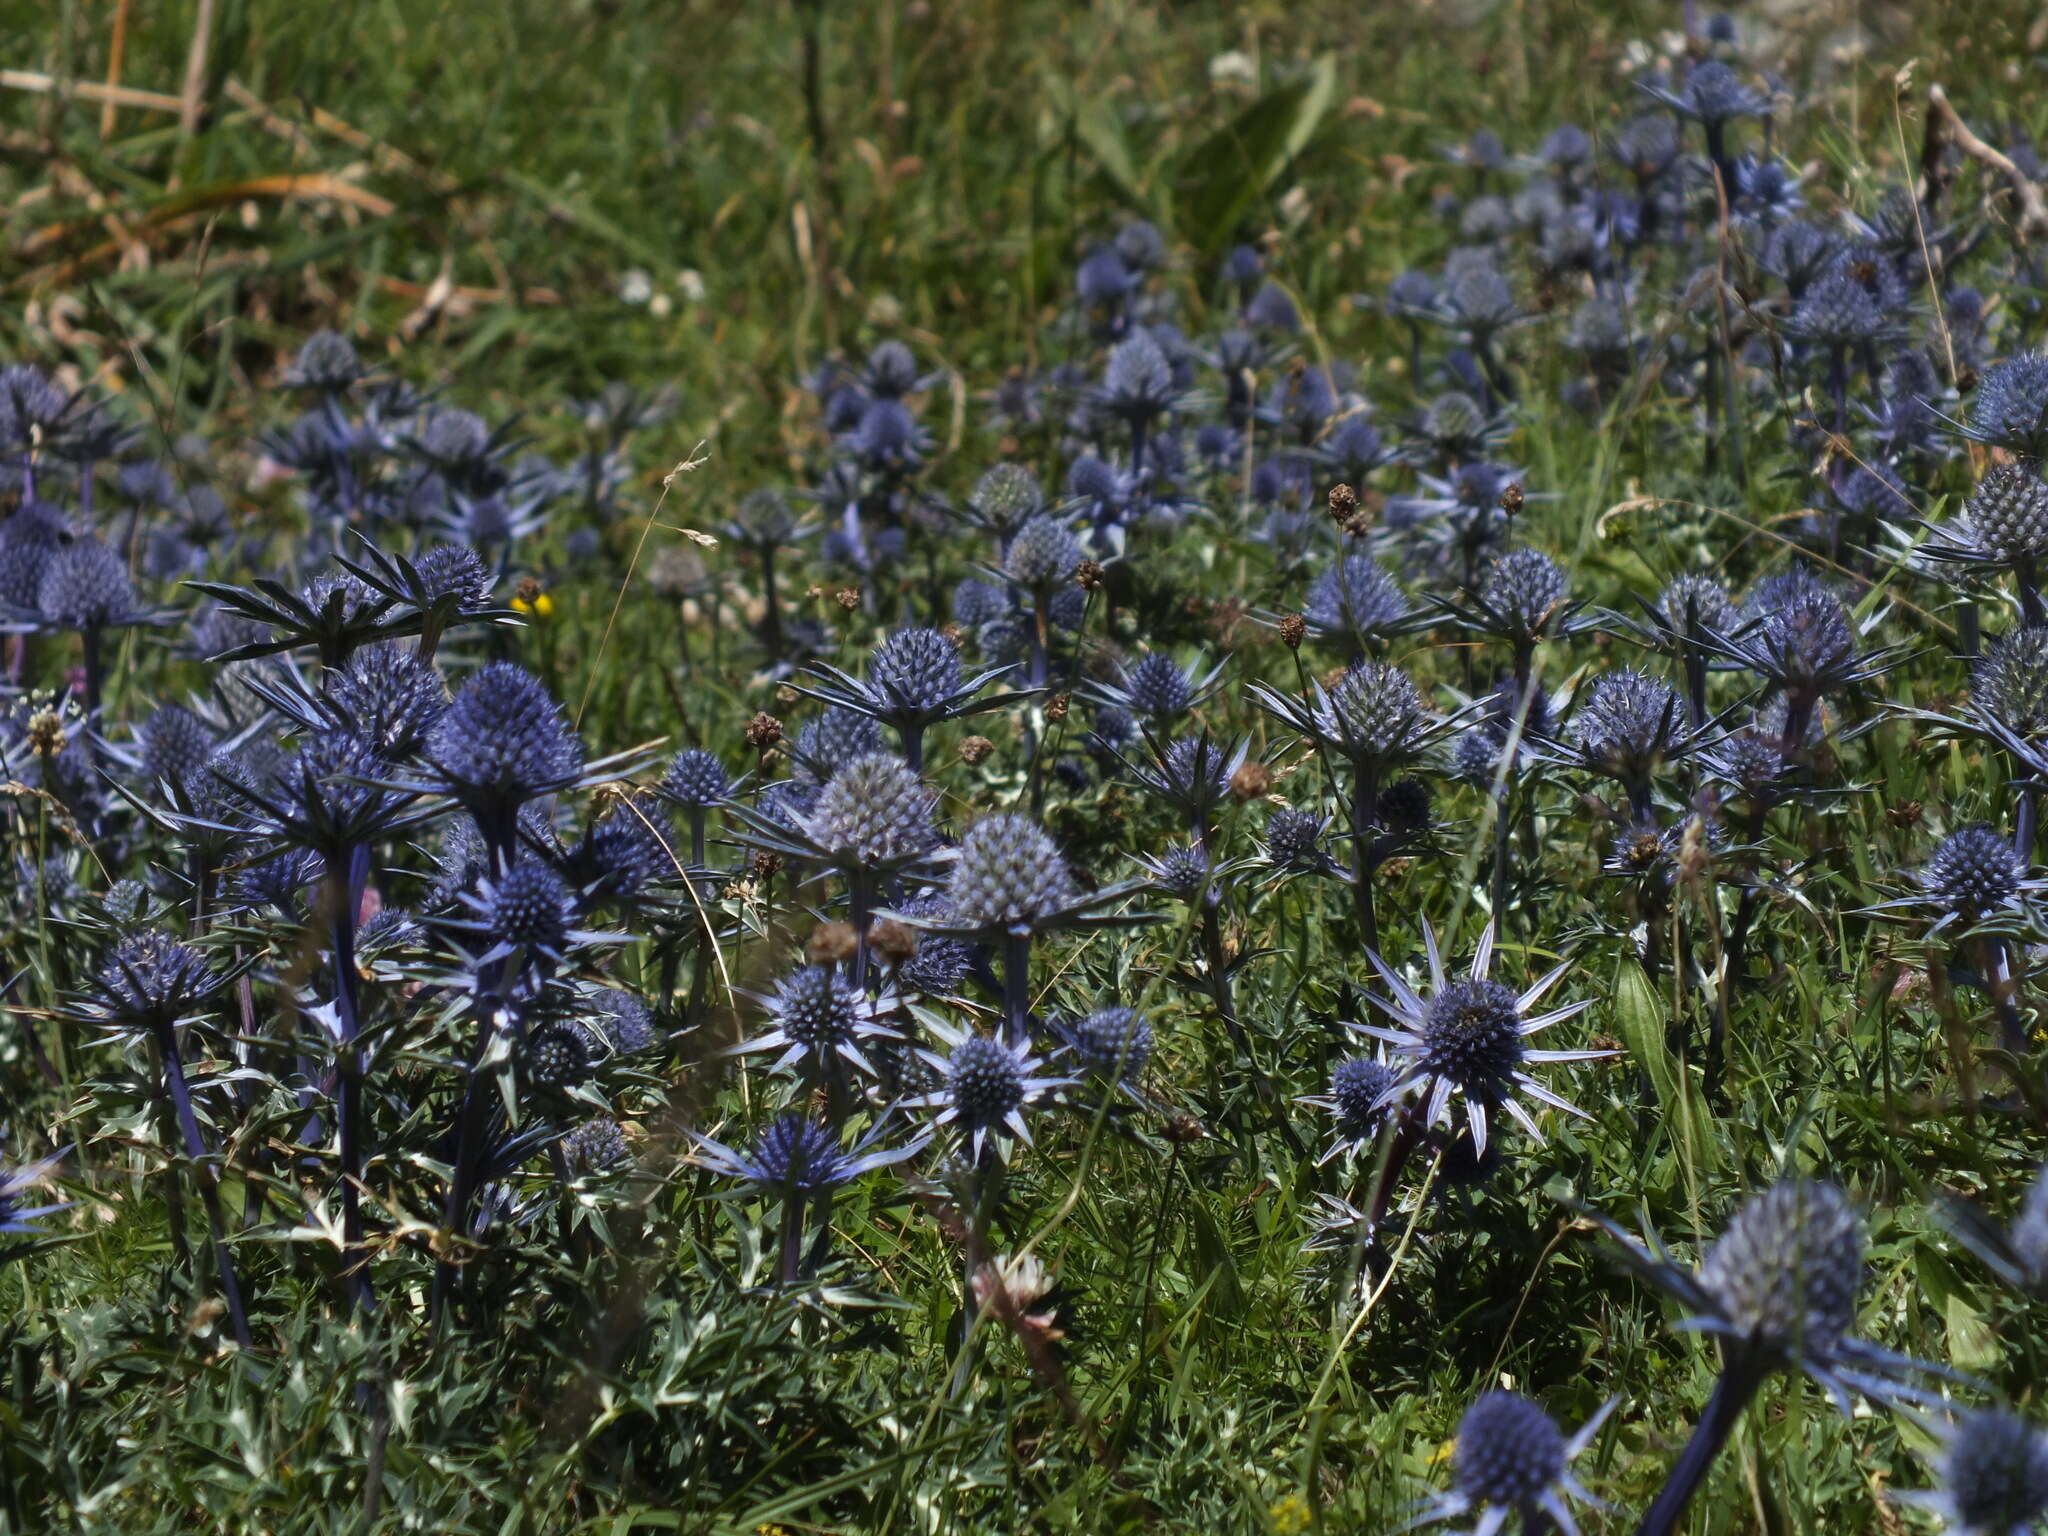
{"x": 1218, "y": 179}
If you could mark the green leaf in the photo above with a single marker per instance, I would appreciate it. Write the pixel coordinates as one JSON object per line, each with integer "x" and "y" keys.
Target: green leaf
{"x": 1639, "y": 1017}
{"x": 1219, "y": 179}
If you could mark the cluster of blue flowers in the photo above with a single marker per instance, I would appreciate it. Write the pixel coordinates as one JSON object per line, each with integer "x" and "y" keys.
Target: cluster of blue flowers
{"x": 374, "y": 931}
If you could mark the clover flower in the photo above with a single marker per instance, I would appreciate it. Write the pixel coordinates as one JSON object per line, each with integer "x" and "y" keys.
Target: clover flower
{"x": 1468, "y": 1040}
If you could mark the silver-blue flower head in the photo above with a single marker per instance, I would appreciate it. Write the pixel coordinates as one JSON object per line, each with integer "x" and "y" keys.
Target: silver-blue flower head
{"x": 1468, "y": 1041}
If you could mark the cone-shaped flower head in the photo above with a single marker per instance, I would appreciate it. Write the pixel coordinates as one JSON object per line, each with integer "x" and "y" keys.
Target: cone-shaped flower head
{"x": 821, "y": 1022}
{"x": 1974, "y": 873}
{"x": 1009, "y": 874}
{"x": 1042, "y": 555}
{"x": 2011, "y": 407}
{"x": 85, "y": 585}
{"x": 875, "y": 814}
{"x": 920, "y": 668}
{"x": 1785, "y": 1272}
{"x": 2007, "y": 514}
{"x": 389, "y": 695}
{"x": 1112, "y": 1041}
{"x": 1512, "y": 1460}
{"x": 1991, "y": 1476}
{"x": 1356, "y": 600}
{"x": 1468, "y": 1040}
{"x": 594, "y": 1146}
{"x": 2010, "y": 684}
{"x": 1628, "y": 724}
{"x": 176, "y": 745}
{"x": 559, "y": 1054}
{"x": 1526, "y": 591}
{"x": 151, "y": 978}
{"x": 988, "y": 1088}
{"x": 528, "y": 907}
{"x": 697, "y": 778}
{"x": 796, "y": 1155}
{"x": 503, "y": 741}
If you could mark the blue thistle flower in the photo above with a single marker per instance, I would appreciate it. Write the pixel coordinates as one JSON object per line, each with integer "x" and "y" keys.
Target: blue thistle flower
{"x": 1512, "y": 1459}
{"x": 989, "y": 1088}
{"x": 1113, "y": 1043}
{"x": 940, "y": 963}
{"x": 176, "y": 746}
{"x": 389, "y": 696}
{"x": 1974, "y": 874}
{"x": 1468, "y": 1039}
{"x": 1991, "y": 1475}
{"x": 558, "y": 1055}
{"x": 625, "y": 1021}
{"x": 150, "y": 979}
{"x": 697, "y": 780}
{"x": 528, "y": 907}
{"x": 821, "y": 1023}
{"x": 796, "y": 1155}
{"x": 1042, "y": 555}
{"x": 594, "y": 1146}
{"x": 501, "y": 742}
{"x": 326, "y": 364}
{"x": 874, "y": 816}
{"x": 2011, "y": 405}
{"x": 17, "y": 1217}
{"x": 1294, "y": 843}
{"x": 1357, "y": 1100}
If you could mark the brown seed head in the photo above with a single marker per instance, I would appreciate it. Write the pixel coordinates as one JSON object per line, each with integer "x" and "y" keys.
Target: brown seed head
{"x": 1088, "y": 575}
{"x": 765, "y": 864}
{"x": 831, "y": 944}
{"x": 1512, "y": 498}
{"x": 1056, "y": 708}
{"x": 763, "y": 731}
{"x": 528, "y": 590}
{"x": 892, "y": 942}
{"x": 1293, "y": 630}
{"x": 1184, "y": 1130}
{"x": 1252, "y": 780}
{"x": 975, "y": 749}
{"x": 1343, "y": 502}
{"x": 847, "y": 598}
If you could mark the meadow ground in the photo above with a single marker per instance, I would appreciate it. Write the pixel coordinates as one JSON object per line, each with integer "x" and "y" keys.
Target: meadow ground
{"x": 1283, "y": 443}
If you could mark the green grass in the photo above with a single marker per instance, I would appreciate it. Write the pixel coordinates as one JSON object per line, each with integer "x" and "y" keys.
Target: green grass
{"x": 552, "y": 147}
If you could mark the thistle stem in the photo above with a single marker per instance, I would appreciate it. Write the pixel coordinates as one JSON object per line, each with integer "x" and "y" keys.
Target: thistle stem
{"x": 1738, "y": 1383}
